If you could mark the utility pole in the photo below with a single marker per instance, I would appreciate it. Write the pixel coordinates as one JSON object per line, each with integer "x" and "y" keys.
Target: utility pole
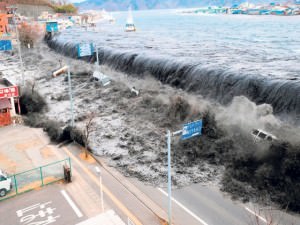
{"x": 19, "y": 47}
{"x": 169, "y": 179}
{"x": 71, "y": 97}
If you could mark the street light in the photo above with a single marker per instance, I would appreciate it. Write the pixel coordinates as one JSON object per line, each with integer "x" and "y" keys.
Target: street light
{"x": 101, "y": 189}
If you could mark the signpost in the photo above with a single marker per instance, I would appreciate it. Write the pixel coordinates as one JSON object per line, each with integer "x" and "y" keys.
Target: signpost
{"x": 5, "y": 45}
{"x": 85, "y": 49}
{"x": 51, "y": 27}
{"x": 9, "y": 92}
{"x": 189, "y": 130}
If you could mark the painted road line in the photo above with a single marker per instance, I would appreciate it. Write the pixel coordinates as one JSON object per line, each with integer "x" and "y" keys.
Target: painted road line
{"x": 71, "y": 203}
{"x": 105, "y": 189}
{"x": 184, "y": 208}
{"x": 256, "y": 215}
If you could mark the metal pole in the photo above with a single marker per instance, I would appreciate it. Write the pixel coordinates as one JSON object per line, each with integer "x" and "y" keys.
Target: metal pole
{"x": 101, "y": 192}
{"x": 97, "y": 56}
{"x": 101, "y": 188}
{"x": 42, "y": 178}
{"x": 71, "y": 96}
{"x": 169, "y": 179}
{"x": 20, "y": 51}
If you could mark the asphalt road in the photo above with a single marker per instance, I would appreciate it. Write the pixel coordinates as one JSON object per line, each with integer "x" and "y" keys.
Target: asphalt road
{"x": 45, "y": 206}
{"x": 206, "y": 205}
{"x": 116, "y": 196}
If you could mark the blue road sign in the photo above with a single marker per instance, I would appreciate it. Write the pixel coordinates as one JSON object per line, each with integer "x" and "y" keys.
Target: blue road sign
{"x": 191, "y": 129}
{"x": 5, "y": 45}
{"x": 84, "y": 50}
{"x": 51, "y": 27}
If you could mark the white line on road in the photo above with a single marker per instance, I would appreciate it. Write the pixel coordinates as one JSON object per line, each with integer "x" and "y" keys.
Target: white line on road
{"x": 71, "y": 203}
{"x": 184, "y": 208}
{"x": 256, "y": 215}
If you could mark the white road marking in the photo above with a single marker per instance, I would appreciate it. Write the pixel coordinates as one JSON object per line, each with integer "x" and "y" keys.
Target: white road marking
{"x": 71, "y": 203}
{"x": 184, "y": 208}
{"x": 256, "y": 215}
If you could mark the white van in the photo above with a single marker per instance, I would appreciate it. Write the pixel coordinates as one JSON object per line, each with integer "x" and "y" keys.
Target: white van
{"x": 102, "y": 78}
{"x": 5, "y": 184}
{"x": 263, "y": 135}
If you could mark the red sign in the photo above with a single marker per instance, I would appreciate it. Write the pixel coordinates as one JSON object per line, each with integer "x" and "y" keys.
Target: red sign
{"x": 9, "y": 92}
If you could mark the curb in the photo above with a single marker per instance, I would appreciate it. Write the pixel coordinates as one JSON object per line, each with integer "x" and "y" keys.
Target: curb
{"x": 143, "y": 198}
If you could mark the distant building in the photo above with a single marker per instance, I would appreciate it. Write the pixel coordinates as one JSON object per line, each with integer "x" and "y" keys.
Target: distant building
{"x": 28, "y": 8}
{"x": 3, "y": 23}
{"x": 9, "y": 101}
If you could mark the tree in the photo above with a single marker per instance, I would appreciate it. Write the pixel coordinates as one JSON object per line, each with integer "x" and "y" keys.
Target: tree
{"x": 64, "y": 7}
{"x": 30, "y": 34}
{"x": 90, "y": 127}
{"x": 266, "y": 216}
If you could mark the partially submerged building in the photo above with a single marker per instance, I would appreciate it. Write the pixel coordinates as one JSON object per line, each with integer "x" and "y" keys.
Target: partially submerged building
{"x": 9, "y": 102}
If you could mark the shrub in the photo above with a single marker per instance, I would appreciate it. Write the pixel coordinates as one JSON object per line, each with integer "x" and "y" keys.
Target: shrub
{"x": 54, "y": 131}
{"x": 35, "y": 120}
{"x": 31, "y": 102}
{"x": 179, "y": 109}
{"x": 30, "y": 33}
{"x": 275, "y": 171}
{"x": 67, "y": 8}
{"x": 77, "y": 136}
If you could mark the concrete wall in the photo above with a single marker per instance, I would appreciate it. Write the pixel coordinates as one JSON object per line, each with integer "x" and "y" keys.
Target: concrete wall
{"x": 32, "y": 10}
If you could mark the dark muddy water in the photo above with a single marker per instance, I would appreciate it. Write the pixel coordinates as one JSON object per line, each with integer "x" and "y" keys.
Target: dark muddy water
{"x": 219, "y": 56}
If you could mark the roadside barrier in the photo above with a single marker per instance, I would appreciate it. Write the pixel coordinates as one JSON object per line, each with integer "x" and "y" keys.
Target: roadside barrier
{"x": 37, "y": 177}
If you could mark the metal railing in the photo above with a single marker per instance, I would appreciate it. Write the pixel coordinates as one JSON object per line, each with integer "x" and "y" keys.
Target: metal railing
{"x": 36, "y": 178}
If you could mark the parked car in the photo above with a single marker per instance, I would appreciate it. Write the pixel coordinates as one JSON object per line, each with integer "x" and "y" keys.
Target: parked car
{"x": 5, "y": 184}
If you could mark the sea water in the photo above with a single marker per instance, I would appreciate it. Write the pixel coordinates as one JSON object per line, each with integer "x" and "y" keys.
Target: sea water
{"x": 264, "y": 45}
{"x": 218, "y": 56}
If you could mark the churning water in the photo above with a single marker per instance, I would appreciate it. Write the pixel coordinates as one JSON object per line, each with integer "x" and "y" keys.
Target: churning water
{"x": 219, "y": 56}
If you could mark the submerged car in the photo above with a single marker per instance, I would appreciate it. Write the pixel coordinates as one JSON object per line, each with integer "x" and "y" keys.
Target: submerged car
{"x": 102, "y": 78}
{"x": 263, "y": 135}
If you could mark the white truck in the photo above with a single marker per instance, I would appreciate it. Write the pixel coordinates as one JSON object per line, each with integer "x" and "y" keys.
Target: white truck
{"x": 5, "y": 184}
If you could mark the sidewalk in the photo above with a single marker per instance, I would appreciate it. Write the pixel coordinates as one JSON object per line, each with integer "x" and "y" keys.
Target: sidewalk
{"x": 126, "y": 200}
{"x": 23, "y": 148}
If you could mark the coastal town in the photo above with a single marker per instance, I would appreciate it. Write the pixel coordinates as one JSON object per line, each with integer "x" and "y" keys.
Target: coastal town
{"x": 290, "y": 8}
{"x": 106, "y": 121}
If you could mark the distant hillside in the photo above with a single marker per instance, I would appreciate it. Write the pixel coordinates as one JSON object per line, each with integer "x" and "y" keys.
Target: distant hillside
{"x": 114, "y": 5}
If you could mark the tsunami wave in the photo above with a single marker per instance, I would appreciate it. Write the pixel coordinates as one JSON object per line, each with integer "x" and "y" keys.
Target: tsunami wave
{"x": 215, "y": 83}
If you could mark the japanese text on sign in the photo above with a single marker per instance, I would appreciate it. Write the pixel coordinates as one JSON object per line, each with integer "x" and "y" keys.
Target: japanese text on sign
{"x": 5, "y": 45}
{"x": 38, "y": 214}
{"x": 51, "y": 27}
{"x": 9, "y": 92}
{"x": 84, "y": 50}
{"x": 191, "y": 129}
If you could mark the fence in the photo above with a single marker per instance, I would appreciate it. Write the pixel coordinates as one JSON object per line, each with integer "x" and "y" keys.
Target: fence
{"x": 36, "y": 178}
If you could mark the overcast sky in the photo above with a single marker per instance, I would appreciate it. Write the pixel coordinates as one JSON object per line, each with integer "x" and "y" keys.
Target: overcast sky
{"x": 76, "y": 0}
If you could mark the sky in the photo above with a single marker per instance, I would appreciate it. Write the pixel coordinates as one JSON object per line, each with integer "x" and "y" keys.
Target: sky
{"x": 76, "y": 1}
